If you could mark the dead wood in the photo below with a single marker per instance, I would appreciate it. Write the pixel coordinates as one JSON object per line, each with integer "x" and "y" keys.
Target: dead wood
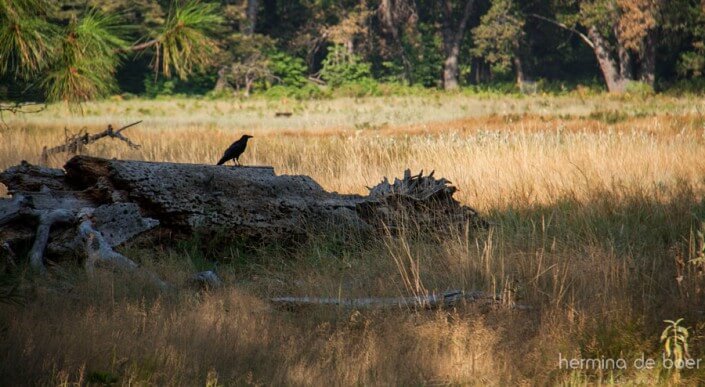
{"x": 46, "y": 220}
{"x": 74, "y": 143}
{"x": 113, "y": 201}
{"x": 429, "y": 301}
{"x": 10, "y": 257}
{"x": 99, "y": 252}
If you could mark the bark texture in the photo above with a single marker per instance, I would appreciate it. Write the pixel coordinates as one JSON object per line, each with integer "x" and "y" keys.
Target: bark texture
{"x": 452, "y": 40}
{"x": 608, "y": 66}
{"x": 103, "y": 203}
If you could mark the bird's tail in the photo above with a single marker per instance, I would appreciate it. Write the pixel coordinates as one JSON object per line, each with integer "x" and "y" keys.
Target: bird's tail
{"x": 222, "y": 161}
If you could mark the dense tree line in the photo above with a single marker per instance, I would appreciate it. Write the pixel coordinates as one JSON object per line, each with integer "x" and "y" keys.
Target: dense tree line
{"x": 77, "y": 50}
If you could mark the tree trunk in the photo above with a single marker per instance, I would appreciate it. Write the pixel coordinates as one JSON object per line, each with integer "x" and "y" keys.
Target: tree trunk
{"x": 626, "y": 64}
{"x": 450, "y": 71}
{"x": 647, "y": 68}
{"x": 608, "y": 66}
{"x": 251, "y": 13}
{"x": 521, "y": 77}
{"x": 452, "y": 40}
{"x": 222, "y": 83}
{"x": 391, "y": 25}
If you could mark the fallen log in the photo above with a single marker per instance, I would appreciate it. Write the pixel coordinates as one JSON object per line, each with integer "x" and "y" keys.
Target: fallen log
{"x": 429, "y": 301}
{"x": 126, "y": 198}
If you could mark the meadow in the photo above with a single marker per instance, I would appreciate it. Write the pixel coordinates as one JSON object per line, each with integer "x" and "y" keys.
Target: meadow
{"x": 594, "y": 201}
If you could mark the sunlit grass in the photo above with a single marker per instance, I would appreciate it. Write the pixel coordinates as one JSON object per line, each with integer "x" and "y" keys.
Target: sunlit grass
{"x": 594, "y": 205}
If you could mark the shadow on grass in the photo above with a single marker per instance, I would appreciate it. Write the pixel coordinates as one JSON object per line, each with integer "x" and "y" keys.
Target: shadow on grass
{"x": 601, "y": 273}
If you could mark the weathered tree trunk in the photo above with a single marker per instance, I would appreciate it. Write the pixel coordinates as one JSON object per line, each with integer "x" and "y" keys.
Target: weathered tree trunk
{"x": 608, "y": 66}
{"x": 519, "y": 68}
{"x": 251, "y": 13}
{"x": 428, "y": 301}
{"x": 452, "y": 40}
{"x": 450, "y": 71}
{"x": 222, "y": 83}
{"x": 116, "y": 200}
{"x": 647, "y": 68}
{"x": 626, "y": 63}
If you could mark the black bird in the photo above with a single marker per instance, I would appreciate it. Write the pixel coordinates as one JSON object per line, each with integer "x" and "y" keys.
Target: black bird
{"x": 235, "y": 150}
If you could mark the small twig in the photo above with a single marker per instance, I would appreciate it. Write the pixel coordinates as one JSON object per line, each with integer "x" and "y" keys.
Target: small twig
{"x": 18, "y": 107}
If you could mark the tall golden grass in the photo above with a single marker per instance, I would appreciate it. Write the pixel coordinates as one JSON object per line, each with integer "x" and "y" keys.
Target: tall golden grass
{"x": 594, "y": 206}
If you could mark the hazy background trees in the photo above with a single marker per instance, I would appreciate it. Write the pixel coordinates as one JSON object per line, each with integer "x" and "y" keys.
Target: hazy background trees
{"x": 76, "y": 50}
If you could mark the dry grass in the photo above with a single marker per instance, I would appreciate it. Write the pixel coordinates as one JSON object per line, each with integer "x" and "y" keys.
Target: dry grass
{"x": 594, "y": 204}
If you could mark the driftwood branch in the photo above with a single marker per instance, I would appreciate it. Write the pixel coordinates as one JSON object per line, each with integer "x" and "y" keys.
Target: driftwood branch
{"x": 22, "y": 206}
{"x": 77, "y": 141}
{"x": 46, "y": 220}
{"x": 99, "y": 252}
{"x": 430, "y": 301}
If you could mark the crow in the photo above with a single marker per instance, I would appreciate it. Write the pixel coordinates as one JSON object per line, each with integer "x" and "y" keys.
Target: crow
{"x": 235, "y": 150}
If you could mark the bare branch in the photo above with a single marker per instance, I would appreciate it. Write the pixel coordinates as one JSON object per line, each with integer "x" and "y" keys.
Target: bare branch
{"x": 74, "y": 143}
{"x": 584, "y": 37}
{"x": 19, "y": 107}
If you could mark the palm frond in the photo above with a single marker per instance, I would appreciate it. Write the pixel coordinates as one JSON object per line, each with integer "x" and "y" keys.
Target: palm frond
{"x": 26, "y": 37}
{"x": 185, "y": 42}
{"x": 87, "y": 59}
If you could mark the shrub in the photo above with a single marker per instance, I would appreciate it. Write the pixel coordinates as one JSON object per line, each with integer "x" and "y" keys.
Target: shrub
{"x": 640, "y": 89}
{"x": 365, "y": 87}
{"x": 290, "y": 71}
{"x": 307, "y": 91}
{"x": 342, "y": 67}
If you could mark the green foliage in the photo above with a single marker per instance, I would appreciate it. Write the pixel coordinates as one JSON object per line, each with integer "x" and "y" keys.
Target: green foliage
{"x": 74, "y": 52}
{"x": 674, "y": 339}
{"x": 185, "y": 44}
{"x": 640, "y": 89}
{"x": 76, "y": 58}
{"x": 428, "y": 58}
{"x": 341, "y": 67}
{"x": 26, "y": 37}
{"x": 692, "y": 63}
{"x": 499, "y": 35}
{"x": 163, "y": 87}
{"x": 290, "y": 71}
{"x": 690, "y": 19}
{"x": 364, "y": 87}
{"x": 307, "y": 91}
{"x": 700, "y": 249}
{"x": 86, "y": 59}
{"x": 102, "y": 377}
